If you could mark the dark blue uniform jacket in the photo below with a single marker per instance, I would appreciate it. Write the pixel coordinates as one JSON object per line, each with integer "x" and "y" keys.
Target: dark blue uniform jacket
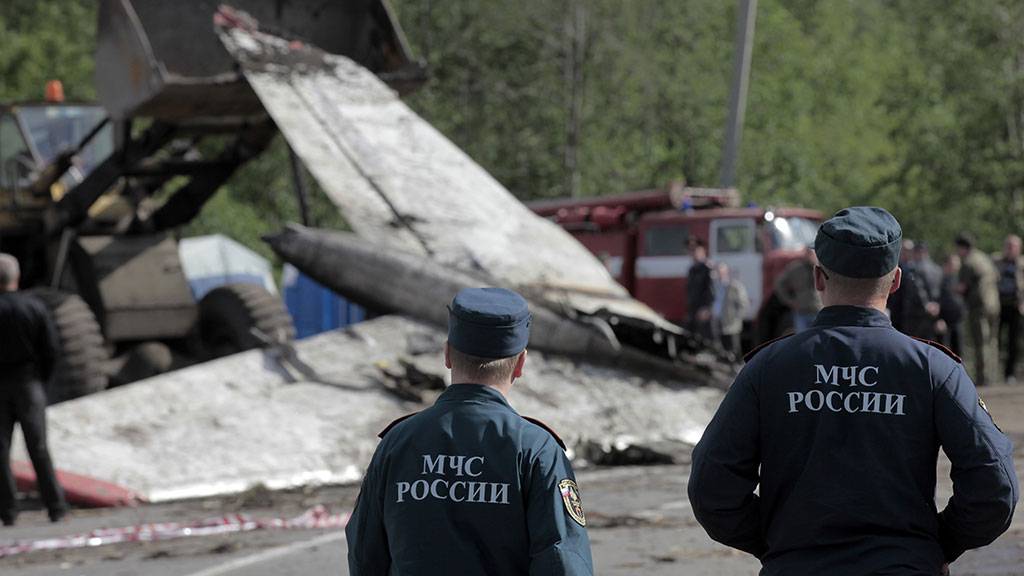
{"x": 468, "y": 487}
{"x": 841, "y": 426}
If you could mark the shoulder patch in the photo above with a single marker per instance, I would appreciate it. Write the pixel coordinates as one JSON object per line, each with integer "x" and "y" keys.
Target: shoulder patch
{"x": 753, "y": 352}
{"x": 548, "y": 428}
{"x": 396, "y": 422}
{"x": 941, "y": 347}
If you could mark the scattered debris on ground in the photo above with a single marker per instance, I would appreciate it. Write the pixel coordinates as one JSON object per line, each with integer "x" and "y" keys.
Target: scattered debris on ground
{"x": 225, "y": 426}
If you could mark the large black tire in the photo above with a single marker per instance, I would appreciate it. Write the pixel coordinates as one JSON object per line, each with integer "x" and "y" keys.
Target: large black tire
{"x": 228, "y": 314}
{"x": 84, "y": 358}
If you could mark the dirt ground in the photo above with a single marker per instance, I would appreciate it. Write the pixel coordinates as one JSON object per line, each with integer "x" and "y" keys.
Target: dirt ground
{"x": 639, "y": 522}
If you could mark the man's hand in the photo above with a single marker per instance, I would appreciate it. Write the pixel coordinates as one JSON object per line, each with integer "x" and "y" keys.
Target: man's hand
{"x": 945, "y": 570}
{"x": 704, "y": 314}
{"x": 932, "y": 308}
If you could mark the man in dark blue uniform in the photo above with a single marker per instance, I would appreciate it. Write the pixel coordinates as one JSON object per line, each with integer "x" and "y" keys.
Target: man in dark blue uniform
{"x": 28, "y": 354}
{"x": 469, "y": 486}
{"x": 841, "y": 426}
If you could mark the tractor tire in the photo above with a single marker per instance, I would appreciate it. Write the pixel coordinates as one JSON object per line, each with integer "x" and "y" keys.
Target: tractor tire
{"x": 228, "y": 314}
{"x": 83, "y": 359}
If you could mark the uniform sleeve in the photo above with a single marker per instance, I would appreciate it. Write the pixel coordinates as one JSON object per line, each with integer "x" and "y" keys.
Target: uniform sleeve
{"x": 725, "y": 470}
{"x": 368, "y": 552}
{"x": 985, "y": 488}
{"x": 47, "y": 344}
{"x": 559, "y": 544}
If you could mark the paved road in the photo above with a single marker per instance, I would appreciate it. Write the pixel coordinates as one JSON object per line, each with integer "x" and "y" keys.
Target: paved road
{"x": 640, "y": 523}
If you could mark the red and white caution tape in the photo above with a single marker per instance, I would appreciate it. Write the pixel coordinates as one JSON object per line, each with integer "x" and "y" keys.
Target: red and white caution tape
{"x": 315, "y": 518}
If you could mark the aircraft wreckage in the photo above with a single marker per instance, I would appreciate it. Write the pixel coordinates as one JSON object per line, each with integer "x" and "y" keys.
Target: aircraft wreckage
{"x": 427, "y": 220}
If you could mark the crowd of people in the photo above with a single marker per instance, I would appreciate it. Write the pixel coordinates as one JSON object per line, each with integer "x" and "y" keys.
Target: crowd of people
{"x": 972, "y": 303}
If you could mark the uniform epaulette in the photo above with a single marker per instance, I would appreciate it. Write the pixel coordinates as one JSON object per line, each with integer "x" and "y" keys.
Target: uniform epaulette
{"x": 394, "y": 423}
{"x": 940, "y": 346}
{"x": 756, "y": 349}
{"x": 548, "y": 428}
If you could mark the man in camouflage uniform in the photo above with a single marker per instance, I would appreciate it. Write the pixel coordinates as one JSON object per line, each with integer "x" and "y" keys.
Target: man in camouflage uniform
{"x": 978, "y": 284}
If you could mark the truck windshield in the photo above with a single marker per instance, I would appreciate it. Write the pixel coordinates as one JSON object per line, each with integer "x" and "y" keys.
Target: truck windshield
{"x": 792, "y": 233}
{"x": 54, "y": 129}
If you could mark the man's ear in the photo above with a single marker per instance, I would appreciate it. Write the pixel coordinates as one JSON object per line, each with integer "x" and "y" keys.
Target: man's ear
{"x": 896, "y": 279}
{"x": 517, "y": 372}
{"x": 447, "y": 356}
{"x": 819, "y": 278}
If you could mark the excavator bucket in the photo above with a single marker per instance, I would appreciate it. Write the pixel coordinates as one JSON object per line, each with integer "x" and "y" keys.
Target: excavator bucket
{"x": 163, "y": 60}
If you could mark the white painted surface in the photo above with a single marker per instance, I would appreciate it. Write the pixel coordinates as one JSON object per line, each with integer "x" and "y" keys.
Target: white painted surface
{"x": 661, "y": 267}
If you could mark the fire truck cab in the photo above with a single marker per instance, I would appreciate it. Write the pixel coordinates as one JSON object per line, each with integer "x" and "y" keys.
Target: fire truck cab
{"x": 644, "y": 239}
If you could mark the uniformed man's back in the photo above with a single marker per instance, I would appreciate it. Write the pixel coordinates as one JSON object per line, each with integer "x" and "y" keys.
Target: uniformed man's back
{"x": 458, "y": 480}
{"x": 849, "y": 442}
{"x": 840, "y": 427}
{"x": 468, "y": 486}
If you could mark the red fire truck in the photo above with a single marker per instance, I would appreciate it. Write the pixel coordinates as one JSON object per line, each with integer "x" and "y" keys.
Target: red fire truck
{"x": 643, "y": 238}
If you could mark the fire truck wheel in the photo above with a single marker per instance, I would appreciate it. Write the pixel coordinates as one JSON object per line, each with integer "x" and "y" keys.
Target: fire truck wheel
{"x": 83, "y": 360}
{"x": 228, "y": 314}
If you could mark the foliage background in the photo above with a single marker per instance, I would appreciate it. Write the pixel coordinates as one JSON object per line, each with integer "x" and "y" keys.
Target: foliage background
{"x": 916, "y": 106}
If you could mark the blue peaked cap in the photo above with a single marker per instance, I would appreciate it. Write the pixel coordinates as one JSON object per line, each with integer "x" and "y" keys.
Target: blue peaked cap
{"x": 488, "y": 322}
{"x": 859, "y": 242}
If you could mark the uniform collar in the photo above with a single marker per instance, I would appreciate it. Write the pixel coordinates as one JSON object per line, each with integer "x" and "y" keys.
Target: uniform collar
{"x": 851, "y": 316}
{"x": 473, "y": 393}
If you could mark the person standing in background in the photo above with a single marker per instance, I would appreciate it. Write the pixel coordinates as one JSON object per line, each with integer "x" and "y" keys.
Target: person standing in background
{"x": 729, "y": 309}
{"x": 1011, "y": 300}
{"x": 28, "y": 354}
{"x": 979, "y": 287}
{"x": 951, "y": 305}
{"x": 895, "y": 303}
{"x": 922, "y": 285}
{"x": 699, "y": 292}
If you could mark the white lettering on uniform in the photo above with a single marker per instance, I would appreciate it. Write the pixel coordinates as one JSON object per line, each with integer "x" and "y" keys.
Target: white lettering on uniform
{"x": 451, "y": 491}
{"x": 871, "y": 402}
{"x": 433, "y": 467}
{"x": 420, "y": 486}
{"x": 816, "y": 394}
{"x": 851, "y": 403}
{"x": 846, "y": 402}
{"x": 403, "y": 488}
{"x": 794, "y": 398}
{"x": 894, "y": 402}
{"x": 455, "y": 463}
{"x": 829, "y": 397}
{"x": 469, "y": 465}
{"x": 849, "y": 374}
{"x": 830, "y": 376}
{"x": 863, "y": 379}
{"x": 499, "y": 493}
{"x": 433, "y": 488}
{"x": 476, "y": 492}
{"x": 457, "y": 491}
